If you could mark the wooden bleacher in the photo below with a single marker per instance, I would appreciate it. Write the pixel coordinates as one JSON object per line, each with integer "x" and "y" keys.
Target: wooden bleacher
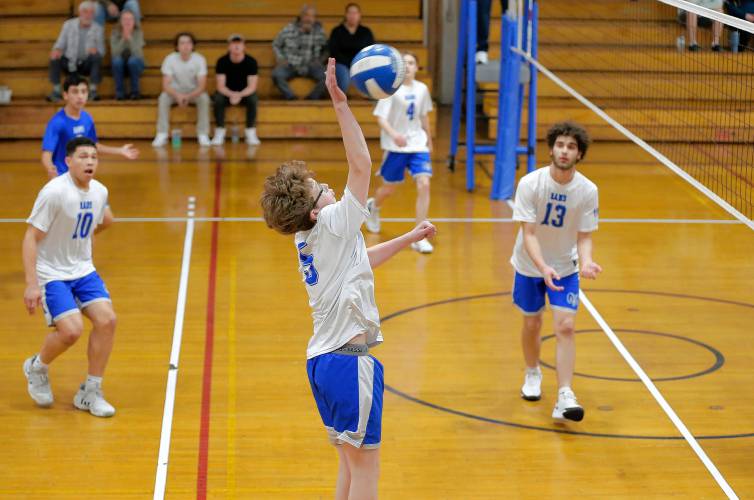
{"x": 581, "y": 45}
{"x": 28, "y": 29}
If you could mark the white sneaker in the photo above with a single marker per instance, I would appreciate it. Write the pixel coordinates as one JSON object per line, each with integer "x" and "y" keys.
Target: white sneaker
{"x": 423, "y": 246}
{"x": 481, "y": 57}
{"x": 532, "y": 388}
{"x": 219, "y": 138}
{"x": 251, "y": 137}
{"x": 373, "y": 219}
{"x": 160, "y": 140}
{"x": 39, "y": 384}
{"x": 93, "y": 401}
{"x": 567, "y": 408}
{"x": 204, "y": 140}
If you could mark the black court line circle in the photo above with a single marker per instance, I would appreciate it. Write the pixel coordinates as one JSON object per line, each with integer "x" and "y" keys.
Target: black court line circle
{"x": 554, "y": 430}
{"x": 718, "y": 363}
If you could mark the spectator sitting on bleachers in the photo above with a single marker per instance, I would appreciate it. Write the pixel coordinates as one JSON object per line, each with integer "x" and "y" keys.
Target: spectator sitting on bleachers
{"x": 78, "y": 49}
{"x": 346, "y": 40}
{"x": 299, "y": 50}
{"x": 236, "y": 76}
{"x": 184, "y": 81}
{"x": 111, "y": 10}
{"x": 692, "y": 20}
{"x": 127, "y": 51}
{"x": 742, "y": 9}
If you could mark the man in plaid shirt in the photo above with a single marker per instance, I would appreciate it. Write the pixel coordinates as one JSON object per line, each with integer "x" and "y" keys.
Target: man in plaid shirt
{"x": 299, "y": 50}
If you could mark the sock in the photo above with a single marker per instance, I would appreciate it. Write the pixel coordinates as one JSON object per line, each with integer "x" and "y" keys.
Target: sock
{"x": 251, "y": 130}
{"x": 564, "y": 388}
{"x": 56, "y": 88}
{"x": 93, "y": 382}
{"x": 532, "y": 370}
{"x": 37, "y": 363}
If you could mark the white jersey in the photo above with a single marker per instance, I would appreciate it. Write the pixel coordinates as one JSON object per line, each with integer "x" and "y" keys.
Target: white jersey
{"x": 68, "y": 215}
{"x": 404, "y": 111}
{"x": 338, "y": 277}
{"x": 560, "y": 212}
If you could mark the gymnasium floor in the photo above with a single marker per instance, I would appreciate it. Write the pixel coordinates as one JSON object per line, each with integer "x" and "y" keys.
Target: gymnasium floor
{"x": 679, "y": 296}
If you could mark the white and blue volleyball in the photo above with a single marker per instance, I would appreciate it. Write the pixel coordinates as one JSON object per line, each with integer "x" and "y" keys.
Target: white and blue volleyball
{"x": 378, "y": 70}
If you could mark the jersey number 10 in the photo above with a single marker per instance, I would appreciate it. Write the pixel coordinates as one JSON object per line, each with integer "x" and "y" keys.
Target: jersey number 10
{"x": 83, "y": 225}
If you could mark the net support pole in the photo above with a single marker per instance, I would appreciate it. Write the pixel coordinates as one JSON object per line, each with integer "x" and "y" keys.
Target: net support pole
{"x": 455, "y": 128}
{"x": 470, "y": 91}
{"x": 531, "y": 135}
{"x": 508, "y": 126}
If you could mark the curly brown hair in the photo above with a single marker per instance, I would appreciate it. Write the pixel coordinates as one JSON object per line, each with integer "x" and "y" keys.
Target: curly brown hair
{"x": 287, "y": 198}
{"x": 569, "y": 129}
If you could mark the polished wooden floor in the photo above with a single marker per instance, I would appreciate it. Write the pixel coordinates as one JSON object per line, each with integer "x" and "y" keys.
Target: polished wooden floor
{"x": 679, "y": 295}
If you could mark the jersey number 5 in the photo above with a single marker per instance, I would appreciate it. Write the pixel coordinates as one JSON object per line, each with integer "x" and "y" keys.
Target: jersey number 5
{"x": 83, "y": 225}
{"x": 557, "y": 218}
{"x": 311, "y": 276}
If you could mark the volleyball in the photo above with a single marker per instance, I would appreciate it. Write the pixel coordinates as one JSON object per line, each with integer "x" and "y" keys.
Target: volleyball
{"x": 378, "y": 71}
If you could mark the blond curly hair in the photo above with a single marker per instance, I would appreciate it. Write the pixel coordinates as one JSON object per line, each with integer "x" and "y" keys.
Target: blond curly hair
{"x": 287, "y": 198}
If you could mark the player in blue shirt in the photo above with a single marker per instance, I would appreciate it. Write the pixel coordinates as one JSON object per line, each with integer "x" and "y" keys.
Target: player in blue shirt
{"x": 72, "y": 121}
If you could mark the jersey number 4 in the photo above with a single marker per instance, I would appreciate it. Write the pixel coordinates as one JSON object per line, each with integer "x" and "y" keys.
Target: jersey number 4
{"x": 83, "y": 225}
{"x": 555, "y": 219}
{"x": 410, "y": 111}
{"x": 311, "y": 276}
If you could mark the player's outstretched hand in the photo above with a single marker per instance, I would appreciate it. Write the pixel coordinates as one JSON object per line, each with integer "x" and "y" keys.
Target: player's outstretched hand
{"x": 129, "y": 151}
{"x": 590, "y": 270}
{"x": 331, "y": 83}
{"x": 32, "y": 298}
{"x": 424, "y": 229}
{"x": 550, "y": 275}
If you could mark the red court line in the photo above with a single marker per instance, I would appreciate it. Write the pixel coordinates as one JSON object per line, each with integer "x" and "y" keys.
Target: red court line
{"x": 201, "y": 475}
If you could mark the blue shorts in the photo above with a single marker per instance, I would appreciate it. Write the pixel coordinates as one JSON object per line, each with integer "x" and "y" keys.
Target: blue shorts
{"x": 348, "y": 390}
{"x": 394, "y": 165}
{"x": 63, "y": 298}
{"x": 529, "y": 294}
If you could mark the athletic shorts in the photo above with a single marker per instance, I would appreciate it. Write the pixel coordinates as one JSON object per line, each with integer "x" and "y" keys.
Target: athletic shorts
{"x": 395, "y": 164}
{"x": 63, "y": 298}
{"x": 348, "y": 389}
{"x": 529, "y": 294}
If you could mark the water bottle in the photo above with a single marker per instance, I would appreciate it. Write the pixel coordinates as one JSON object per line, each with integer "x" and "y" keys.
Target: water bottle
{"x": 234, "y": 134}
{"x": 175, "y": 138}
{"x": 735, "y": 38}
{"x": 680, "y": 43}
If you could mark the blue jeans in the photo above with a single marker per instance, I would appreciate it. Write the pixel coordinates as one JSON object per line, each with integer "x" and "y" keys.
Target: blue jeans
{"x": 101, "y": 14}
{"x": 134, "y": 66}
{"x": 483, "y": 23}
{"x": 343, "y": 76}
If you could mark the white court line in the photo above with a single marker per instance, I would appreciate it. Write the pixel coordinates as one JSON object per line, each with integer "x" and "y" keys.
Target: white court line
{"x": 484, "y": 220}
{"x": 655, "y": 393}
{"x": 161, "y": 474}
{"x": 659, "y": 398}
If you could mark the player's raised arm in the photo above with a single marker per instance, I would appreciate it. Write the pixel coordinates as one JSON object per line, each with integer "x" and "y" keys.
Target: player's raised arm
{"x": 357, "y": 152}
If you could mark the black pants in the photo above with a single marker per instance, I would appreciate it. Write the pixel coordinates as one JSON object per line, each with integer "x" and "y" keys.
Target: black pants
{"x": 483, "y": 9}
{"x": 91, "y": 67}
{"x": 739, "y": 10}
{"x": 221, "y": 102}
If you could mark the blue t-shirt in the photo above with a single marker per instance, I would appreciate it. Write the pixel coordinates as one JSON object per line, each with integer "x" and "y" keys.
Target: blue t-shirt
{"x": 62, "y": 128}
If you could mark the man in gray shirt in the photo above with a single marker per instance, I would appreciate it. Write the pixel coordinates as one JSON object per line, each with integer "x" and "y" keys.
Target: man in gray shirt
{"x": 299, "y": 49}
{"x": 79, "y": 48}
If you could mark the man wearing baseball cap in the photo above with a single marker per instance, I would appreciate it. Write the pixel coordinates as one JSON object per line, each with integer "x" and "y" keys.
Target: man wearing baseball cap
{"x": 236, "y": 74}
